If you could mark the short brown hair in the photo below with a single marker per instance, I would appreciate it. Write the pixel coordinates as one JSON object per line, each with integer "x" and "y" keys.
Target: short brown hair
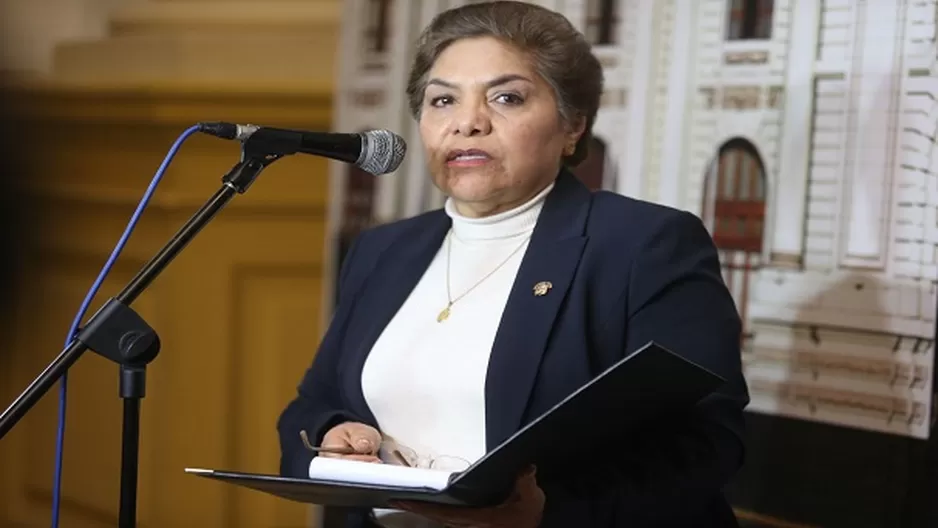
{"x": 558, "y": 52}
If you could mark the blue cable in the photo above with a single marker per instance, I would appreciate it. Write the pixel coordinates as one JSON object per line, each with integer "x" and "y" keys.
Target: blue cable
{"x": 73, "y": 331}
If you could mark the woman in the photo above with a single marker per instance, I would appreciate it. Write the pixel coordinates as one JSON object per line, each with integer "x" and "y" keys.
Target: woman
{"x": 439, "y": 340}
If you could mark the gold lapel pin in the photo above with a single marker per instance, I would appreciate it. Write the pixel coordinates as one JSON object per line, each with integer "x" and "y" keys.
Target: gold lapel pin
{"x": 541, "y": 288}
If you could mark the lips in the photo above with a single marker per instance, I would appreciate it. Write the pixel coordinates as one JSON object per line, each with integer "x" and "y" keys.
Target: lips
{"x": 469, "y": 155}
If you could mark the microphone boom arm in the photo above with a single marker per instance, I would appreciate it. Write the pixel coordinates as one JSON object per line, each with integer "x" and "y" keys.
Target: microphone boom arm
{"x": 119, "y": 334}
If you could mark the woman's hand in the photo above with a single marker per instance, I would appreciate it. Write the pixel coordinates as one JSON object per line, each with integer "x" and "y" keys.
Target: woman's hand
{"x": 362, "y": 439}
{"x": 523, "y": 509}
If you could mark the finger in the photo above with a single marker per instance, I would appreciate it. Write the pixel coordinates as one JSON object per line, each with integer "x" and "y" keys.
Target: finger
{"x": 336, "y": 438}
{"x": 336, "y": 443}
{"x": 346, "y": 436}
{"x": 530, "y": 471}
{"x": 364, "y": 458}
{"x": 528, "y": 493}
{"x": 526, "y": 482}
{"x": 334, "y": 451}
{"x": 362, "y": 438}
{"x": 357, "y": 458}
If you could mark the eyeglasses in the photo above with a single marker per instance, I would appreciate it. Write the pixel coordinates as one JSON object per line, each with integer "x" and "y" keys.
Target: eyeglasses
{"x": 391, "y": 452}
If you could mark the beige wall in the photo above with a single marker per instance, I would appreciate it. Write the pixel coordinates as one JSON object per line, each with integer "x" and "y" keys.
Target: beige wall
{"x": 30, "y": 29}
{"x": 120, "y": 79}
{"x": 171, "y": 41}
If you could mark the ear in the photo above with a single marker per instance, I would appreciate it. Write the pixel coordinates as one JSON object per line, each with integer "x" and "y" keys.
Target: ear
{"x": 575, "y": 129}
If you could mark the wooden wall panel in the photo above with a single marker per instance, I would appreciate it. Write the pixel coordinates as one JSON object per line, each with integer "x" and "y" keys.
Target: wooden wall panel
{"x": 238, "y": 312}
{"x": 274, "y": 335}
{"x": 93, "y": 424}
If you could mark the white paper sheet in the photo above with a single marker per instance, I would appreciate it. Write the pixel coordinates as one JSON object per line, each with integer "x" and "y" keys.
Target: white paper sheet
{"x": 357, "y": 472}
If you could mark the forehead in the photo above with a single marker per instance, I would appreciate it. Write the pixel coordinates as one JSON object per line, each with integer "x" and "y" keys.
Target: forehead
{"x": 472, "y": 60}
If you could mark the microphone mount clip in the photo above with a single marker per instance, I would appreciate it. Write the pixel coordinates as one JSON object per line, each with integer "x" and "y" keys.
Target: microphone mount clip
{"x": 119, "y": 334}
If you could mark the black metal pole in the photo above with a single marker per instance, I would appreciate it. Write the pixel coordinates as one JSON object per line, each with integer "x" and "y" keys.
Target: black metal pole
{"x": 121, "y": 335}
{"x": 132, "y": 388}
{"x": 25, "y": 401}
{"x": 39, "y": 386}
{"x": 178, "y": 242}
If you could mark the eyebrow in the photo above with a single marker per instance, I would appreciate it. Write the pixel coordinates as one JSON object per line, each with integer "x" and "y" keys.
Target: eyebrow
{"x": 498, "y": 81}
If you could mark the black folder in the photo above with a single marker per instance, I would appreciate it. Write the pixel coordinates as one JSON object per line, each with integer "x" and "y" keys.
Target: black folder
{"x": 650, "y": 384}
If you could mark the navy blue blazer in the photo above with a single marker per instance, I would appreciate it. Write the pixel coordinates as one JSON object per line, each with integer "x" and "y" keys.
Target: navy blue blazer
{"x": 624, "y": 272}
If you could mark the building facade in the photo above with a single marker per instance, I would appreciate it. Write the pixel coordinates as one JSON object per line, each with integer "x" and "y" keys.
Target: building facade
{"x": 803, "y": 132}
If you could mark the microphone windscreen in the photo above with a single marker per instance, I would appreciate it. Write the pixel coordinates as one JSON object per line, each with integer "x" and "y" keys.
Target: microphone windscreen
{"x": 382, "y": 152}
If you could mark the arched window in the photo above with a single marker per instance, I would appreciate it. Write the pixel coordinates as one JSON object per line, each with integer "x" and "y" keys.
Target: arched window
{"x": 749, "y": 19}
{"x": 734, "y": 211}
{"x": 592, "y": 170}
{"x": 734, "y": 198}
{"x": 602, "y": 22}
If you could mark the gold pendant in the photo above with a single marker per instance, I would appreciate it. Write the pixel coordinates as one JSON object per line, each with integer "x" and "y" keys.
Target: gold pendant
{"x": 444, "y": 314}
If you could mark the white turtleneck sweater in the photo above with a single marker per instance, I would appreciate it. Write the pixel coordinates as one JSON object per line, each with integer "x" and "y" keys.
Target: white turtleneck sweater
{"x": 425, "y": 380}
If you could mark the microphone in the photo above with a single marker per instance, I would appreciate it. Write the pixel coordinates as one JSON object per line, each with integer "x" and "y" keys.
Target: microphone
{"x": 374, "y": 151}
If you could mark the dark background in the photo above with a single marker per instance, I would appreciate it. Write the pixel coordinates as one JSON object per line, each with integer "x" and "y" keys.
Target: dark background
{"x": 14, "y": 230}
{"x": 7, "y": 215}
{"x": 834, "y": 477}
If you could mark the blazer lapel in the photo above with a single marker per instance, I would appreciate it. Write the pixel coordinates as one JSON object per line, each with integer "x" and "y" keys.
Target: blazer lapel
{"x": 399, "y": 267}
{"x": 549, "y": 266}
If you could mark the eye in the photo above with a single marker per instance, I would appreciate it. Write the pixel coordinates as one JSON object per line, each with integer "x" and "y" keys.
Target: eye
{"x": 510, "y": 99}
{"x": 440, "y": 100}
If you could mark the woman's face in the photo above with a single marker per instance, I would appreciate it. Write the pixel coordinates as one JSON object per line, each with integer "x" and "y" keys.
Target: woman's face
{"x": 490, "y": 127}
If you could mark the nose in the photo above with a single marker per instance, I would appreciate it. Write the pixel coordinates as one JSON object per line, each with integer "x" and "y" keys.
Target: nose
{"x": 472, "y": 119}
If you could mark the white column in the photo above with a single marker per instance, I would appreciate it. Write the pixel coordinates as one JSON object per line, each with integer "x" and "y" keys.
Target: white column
{"x": 874, "y": 88}
{"x": 680, "y": 77}
{"x": 632, "y": 179}
{"x": 788, "y": 205}
{"x": 553, "y": 5}
{"x": 391, "y": 189}
{"x": 412, "y": 17}
{"x": 433, "y": 198}
{"x": 343, "y": 119}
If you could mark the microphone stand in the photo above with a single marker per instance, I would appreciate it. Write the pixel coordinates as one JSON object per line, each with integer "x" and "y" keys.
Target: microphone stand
{"x": 119, "y": 334}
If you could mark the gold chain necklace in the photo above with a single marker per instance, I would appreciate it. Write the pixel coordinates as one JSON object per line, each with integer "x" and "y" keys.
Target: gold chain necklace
{"x": 444, "y": 313}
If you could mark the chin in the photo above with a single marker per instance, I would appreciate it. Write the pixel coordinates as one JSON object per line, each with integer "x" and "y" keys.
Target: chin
{"x": 471, "y": 193}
